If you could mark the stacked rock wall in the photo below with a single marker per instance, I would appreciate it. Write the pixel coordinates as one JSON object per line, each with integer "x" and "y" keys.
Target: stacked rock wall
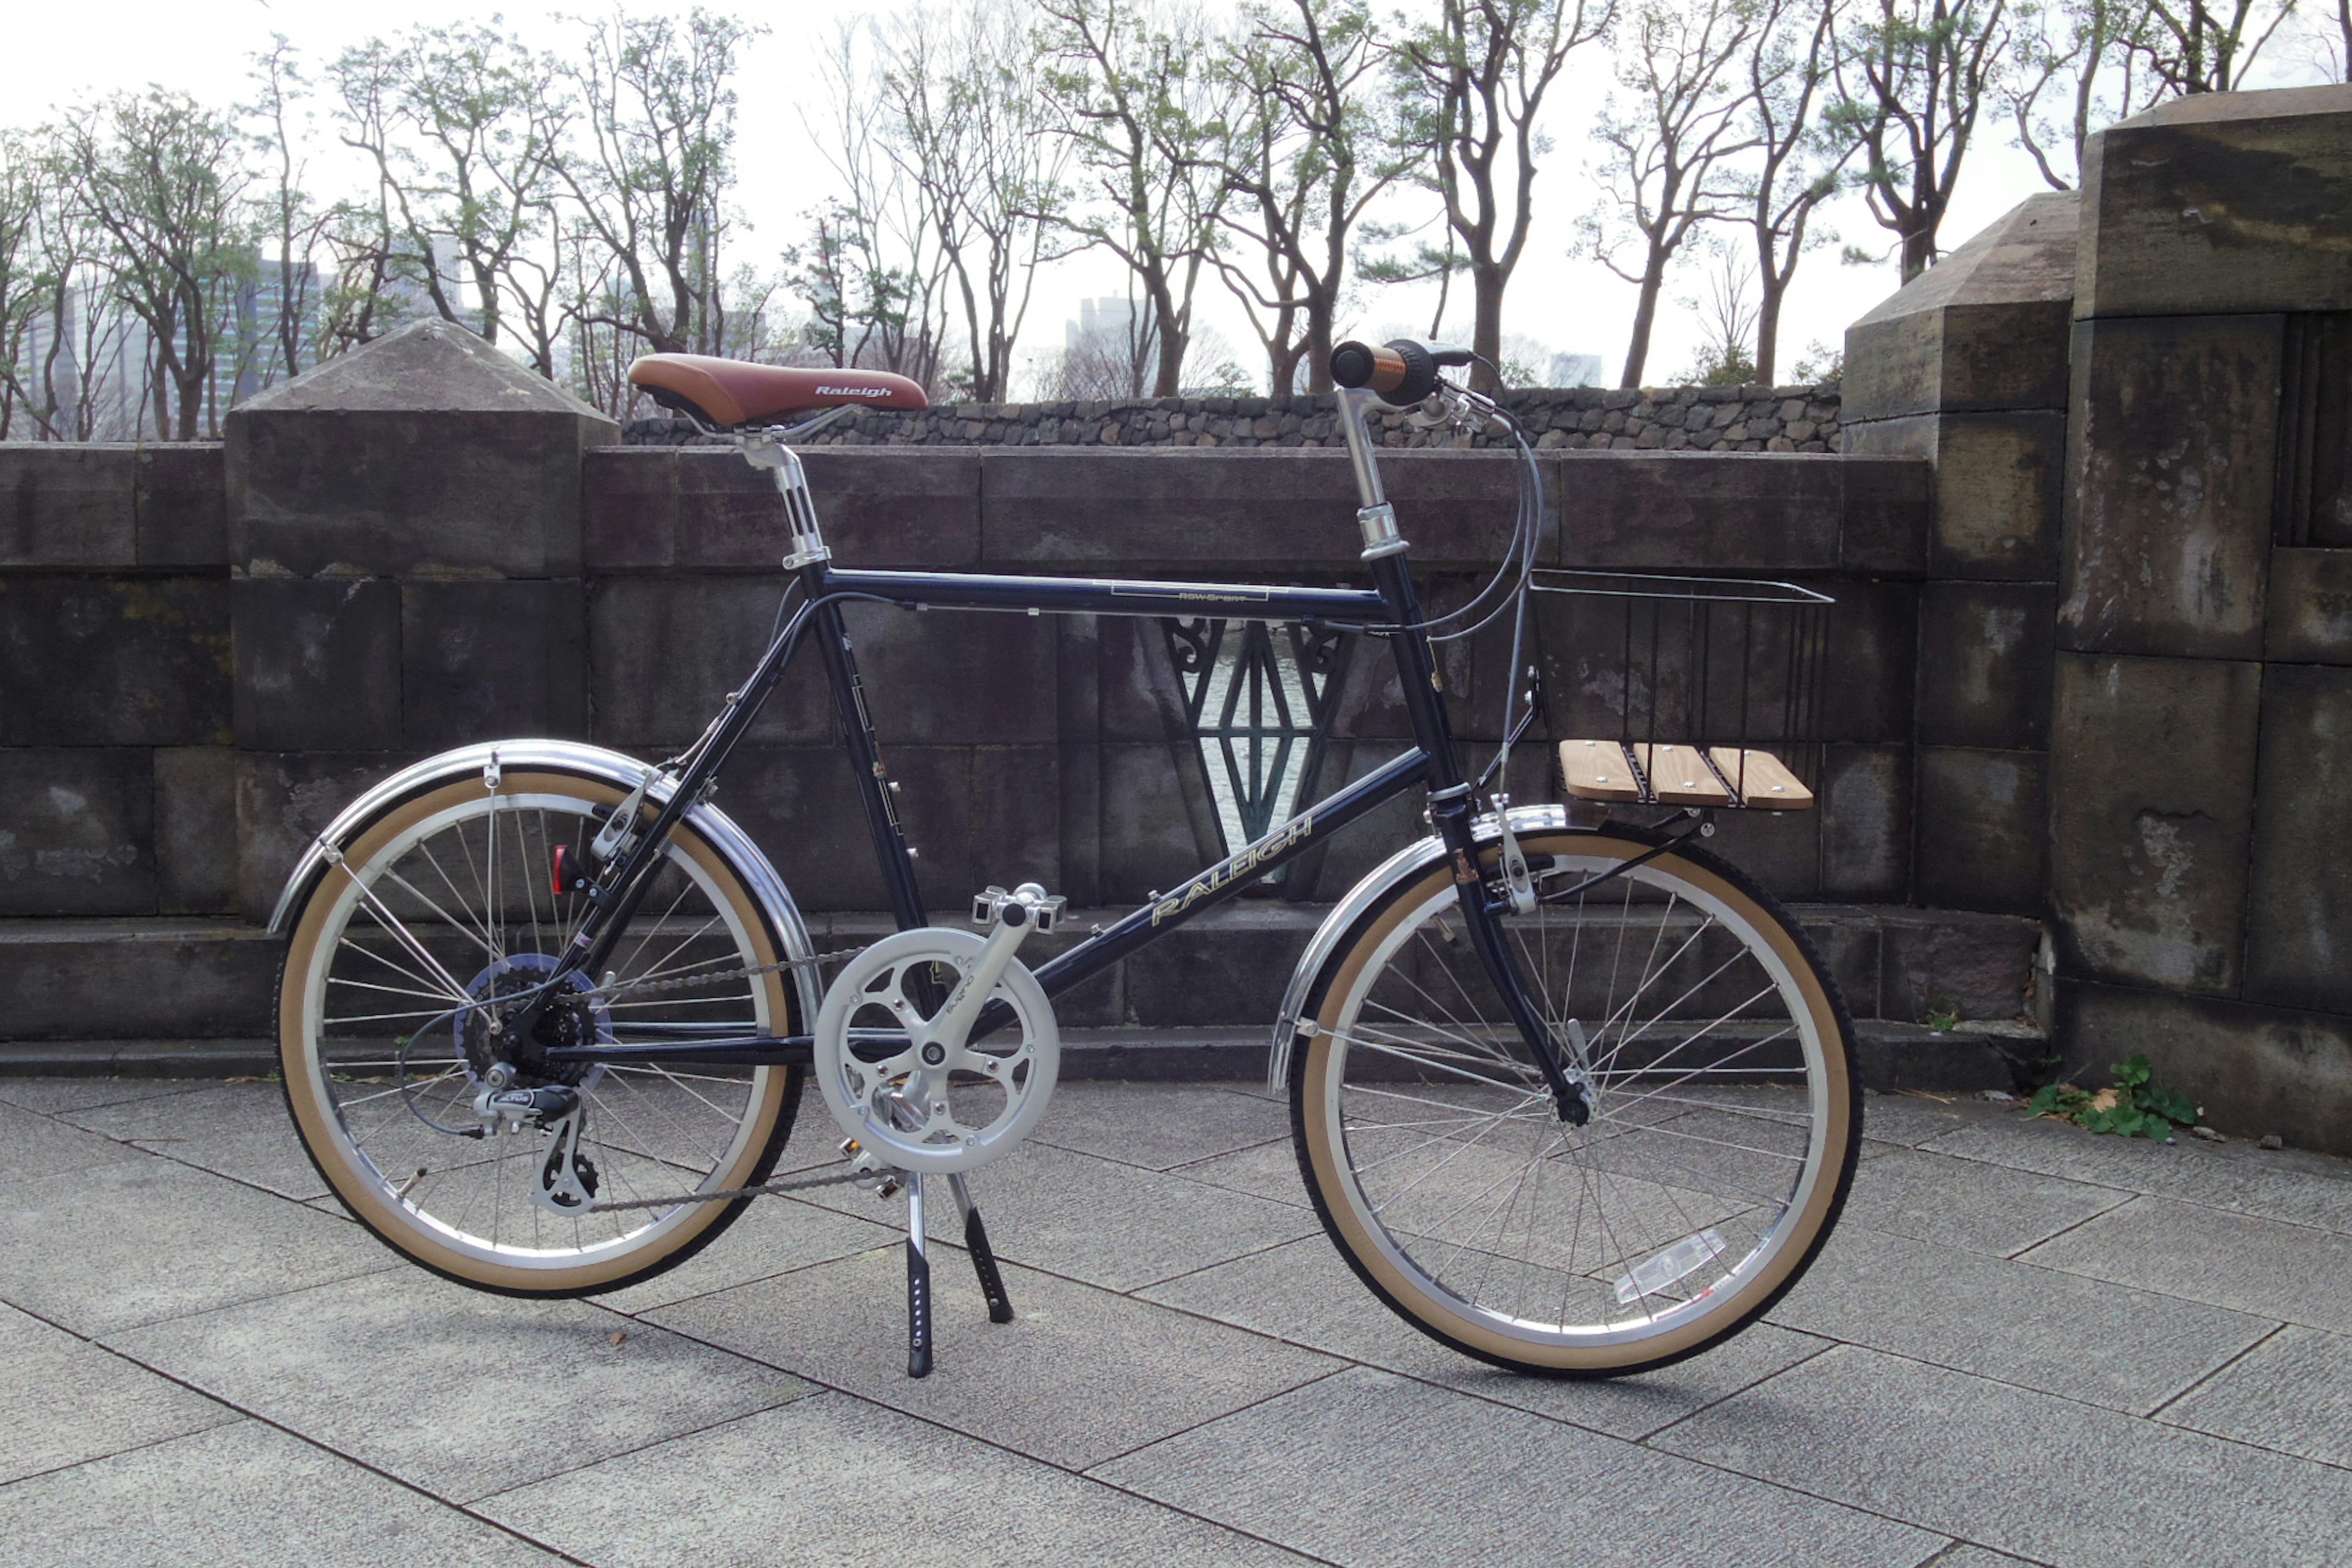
{"x": 1668, "y": 419}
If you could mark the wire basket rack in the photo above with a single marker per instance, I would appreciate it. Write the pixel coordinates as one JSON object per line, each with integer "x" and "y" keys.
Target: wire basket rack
{"x": 1675, "y": 690}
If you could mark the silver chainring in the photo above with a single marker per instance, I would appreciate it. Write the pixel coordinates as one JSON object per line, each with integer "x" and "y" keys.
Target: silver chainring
{"x": 924, "y": 1104}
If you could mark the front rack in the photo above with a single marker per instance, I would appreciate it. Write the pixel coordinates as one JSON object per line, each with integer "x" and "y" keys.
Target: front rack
{"x": 1695, "y": 691}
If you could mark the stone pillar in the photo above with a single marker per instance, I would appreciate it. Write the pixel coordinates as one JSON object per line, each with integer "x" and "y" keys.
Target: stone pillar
{"x": 2201, "y": 771}
{"x": 405, "y": 543}
{"x": 1967, "y": 367}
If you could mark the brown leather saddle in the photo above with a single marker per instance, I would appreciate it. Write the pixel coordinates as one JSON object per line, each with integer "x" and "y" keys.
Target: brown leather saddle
{"x": 732, "y": 392}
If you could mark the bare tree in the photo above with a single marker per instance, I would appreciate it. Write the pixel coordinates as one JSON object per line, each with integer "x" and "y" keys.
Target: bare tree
{"x": 1667, "y": 165}
{"x": 1727, "y": 320}
{"x": 2194, "y": 46}
{"x": 966, "y": 124}
{"x": 464, "y": 125}
{"x": 23, "y": 288}
{"x": 160, "y": 175}
{"x": 656, "y": 99}
{"x": 1476, "y": 78}
{"x": 290, "y": 216}
{"x": 1798, "y": 164}
{"x": 1913, "y": 75}
{"x": 1310, "y": 153}
{"x": 1132, "y": 89}
{"x": 2082, "y": 59}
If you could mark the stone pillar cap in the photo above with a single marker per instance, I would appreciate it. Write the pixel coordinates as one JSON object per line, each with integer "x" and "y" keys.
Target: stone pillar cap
{"x": 431, "y": 366}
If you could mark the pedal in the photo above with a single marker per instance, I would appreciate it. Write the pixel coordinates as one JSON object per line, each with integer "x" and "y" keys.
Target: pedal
{"x": 1028, "y": 905}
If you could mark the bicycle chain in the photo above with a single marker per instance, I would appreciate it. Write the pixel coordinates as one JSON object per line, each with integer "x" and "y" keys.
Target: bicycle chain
{"x": 648, "y": 987}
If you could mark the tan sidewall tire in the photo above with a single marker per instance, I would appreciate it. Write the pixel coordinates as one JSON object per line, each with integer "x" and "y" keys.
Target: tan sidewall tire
{"x": 1316, "y": 1094}
{"x": 308, "y": 1095}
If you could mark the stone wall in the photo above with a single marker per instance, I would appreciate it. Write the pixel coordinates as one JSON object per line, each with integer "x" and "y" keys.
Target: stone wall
{"x": 1582, "y": 418}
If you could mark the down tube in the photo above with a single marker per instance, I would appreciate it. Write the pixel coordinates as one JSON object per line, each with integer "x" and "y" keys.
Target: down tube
{"x": 1231, "y": 875}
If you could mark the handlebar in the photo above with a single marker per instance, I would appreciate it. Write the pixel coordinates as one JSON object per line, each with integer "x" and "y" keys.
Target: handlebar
{"x": 1401, "y": 372}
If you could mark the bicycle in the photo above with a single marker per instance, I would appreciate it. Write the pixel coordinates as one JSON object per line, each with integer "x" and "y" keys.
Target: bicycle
{"x": 1572, "y": 1096}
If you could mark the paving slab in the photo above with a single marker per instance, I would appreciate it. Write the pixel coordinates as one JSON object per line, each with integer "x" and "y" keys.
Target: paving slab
{"x": 244, "y": 1494}
{"x": 1094, "y": 1220}
{"x": 240, "y": 1131}
{"x": 2128, "y": 1349}
{"x": 1368, "y": 1469}
{"x": 774, "y": 1236}
{"x": 142, "y": 1239}
{"x": 1268, "y": 1170}
{"x": 1136, "y": 1374}
{"x": 1911, "y": 1120}
{"x": 2292, "y": 1393}
{"x": 831, "y": 1481}
{"x": 51, "y": 1095}
{"x": 2302, "y": 1188}
{"x": 1979, "y": 1209}
{"x": 64, "y": 1400}
{"x": 460, "y": 1393}
{"x": 2047, "y": 1478}
{"x": 1168, "y": 1125}
{"x": 1306, "y": 1294}
{"x": 32, "y": 1144}
{"x": 2290, "y": 1272}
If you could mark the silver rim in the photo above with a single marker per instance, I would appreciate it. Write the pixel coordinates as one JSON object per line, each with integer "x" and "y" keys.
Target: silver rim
{"x": 440, "y": 914}
{"x": 1708, "y": 1143}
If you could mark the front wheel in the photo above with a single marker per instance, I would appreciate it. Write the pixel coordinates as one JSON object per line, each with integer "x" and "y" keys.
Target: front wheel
{"x": 449, "y": 899}
{"x": 1726, "y": 1113}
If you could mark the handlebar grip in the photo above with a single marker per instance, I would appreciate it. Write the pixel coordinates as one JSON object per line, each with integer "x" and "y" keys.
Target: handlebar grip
{"x": 1402, "y": 372}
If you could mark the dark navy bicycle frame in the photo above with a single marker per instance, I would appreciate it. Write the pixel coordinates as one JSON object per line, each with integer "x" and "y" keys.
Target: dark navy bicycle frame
{"x": 1391, "y": 609}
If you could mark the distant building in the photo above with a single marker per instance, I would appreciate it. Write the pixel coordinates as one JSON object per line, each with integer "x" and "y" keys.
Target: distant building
{"x": 1108, "y": 321}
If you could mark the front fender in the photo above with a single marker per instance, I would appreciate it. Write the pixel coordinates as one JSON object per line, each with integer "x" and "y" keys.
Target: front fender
{"x": 1408, "y": 864}
{"x": 789, "y": 931}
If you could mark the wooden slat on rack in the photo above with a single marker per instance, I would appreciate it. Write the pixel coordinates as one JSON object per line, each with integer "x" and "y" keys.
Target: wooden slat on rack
{"x": 1680, "y": 776}
{"x": 1597, "y": 770}
{"x": 1763, "y": 780}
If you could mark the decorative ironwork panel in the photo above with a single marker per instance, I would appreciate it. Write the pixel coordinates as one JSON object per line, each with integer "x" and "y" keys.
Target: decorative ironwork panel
{"x": 1260, "y": 698}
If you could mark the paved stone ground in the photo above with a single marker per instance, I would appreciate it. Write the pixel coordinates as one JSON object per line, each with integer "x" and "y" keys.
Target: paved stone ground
{"x": 2024, "y": 1343}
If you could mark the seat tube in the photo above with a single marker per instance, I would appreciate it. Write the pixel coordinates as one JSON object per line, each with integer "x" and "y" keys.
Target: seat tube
{"x": 874, "y": 790}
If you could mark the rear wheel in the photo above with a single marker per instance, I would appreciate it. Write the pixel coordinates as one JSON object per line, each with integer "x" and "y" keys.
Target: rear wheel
{"x": 1724, "y": 1133}
{"x": 448, "y": 898}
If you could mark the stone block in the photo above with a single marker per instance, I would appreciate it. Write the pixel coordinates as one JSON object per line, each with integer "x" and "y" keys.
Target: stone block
{"x": 1346, "y": 857}
{"x": 1983, "y": 328}
{"x": 1978, "y": 968}
{"x": 1231, "y": 967}
{"x": 77, "y": 831}
{"x": 2299, "y": 905}
{"x": 1781, "y": 849}
{"x": 2152, "y": 792}
{"x": 1887, "y": 519}
{"x": 1996, "y": 488}
{"x": 426, "y": 452}
{"x": 196, "y": 829}
{"x": 1984, "y": 829}
{"x": 114, "y": 661}
{"x": 706, "y": 507}
{"x": 1234, "y": 514}
{"x": 283, "y": 800}
{"x": 68, "y": 505}
{"x": 2254, "y": 1069}
{"x": 1984, "y": 661}
{"x": 479, "y": 661}
{"x": 974, "y": 815}
{"x": 1866, "y": 822}
{"x": 1708, "y": 511}
{"x": 2220, "y": 202}
{"x": 2310, "y": 620}
{"x": 664, "y": 653}
{"x": 1159, "y": 825}
{"x": 318, "y": 664}
{"x": 138, "y": 980}
{"x": 182, "y": 505}
{"x": 2169, "y": 465}
{"x": 1077, "y": 689}
{"x": 1867, "y": 672}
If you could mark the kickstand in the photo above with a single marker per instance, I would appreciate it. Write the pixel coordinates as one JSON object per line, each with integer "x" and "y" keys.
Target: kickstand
{"x": 984, "y": 1257}
{"x": 918, "y": 1284}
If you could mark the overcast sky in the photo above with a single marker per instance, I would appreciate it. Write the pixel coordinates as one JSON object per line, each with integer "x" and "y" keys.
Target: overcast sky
{"x": 1565, "y": 305}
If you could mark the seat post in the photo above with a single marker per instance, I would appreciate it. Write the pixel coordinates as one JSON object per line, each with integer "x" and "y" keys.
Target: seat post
{"x": 767, "y": 450}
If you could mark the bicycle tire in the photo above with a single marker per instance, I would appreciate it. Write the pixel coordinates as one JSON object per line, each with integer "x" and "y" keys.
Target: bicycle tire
{"x": 466, "y": 873}
{"x": 1719, "y": 1156}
